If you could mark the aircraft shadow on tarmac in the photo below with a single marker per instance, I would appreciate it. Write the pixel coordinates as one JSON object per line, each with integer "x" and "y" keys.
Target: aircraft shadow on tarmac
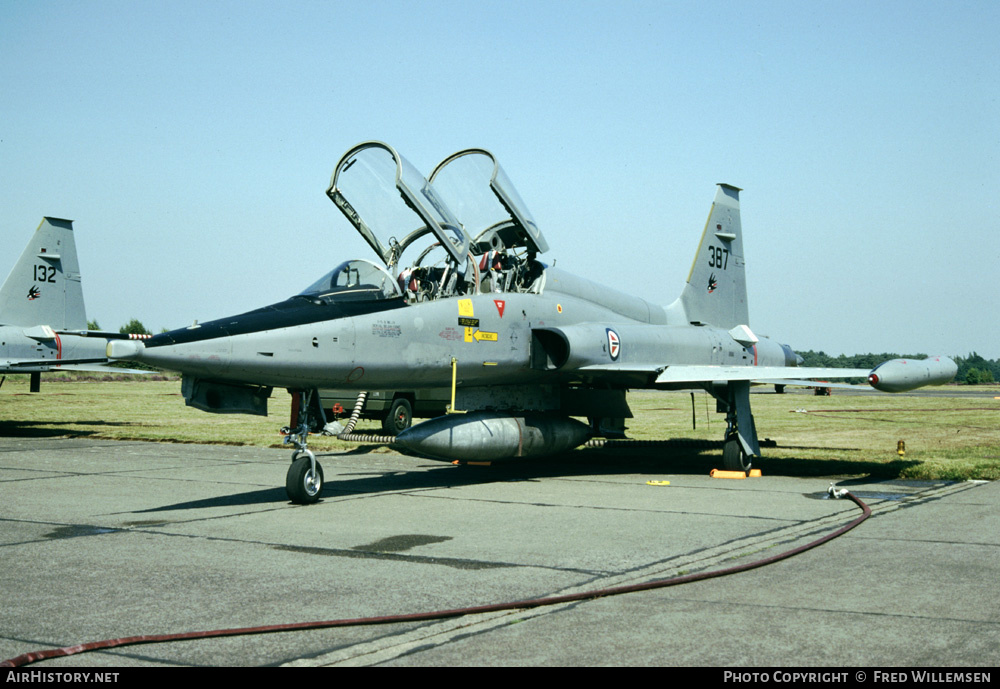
{"x": 46, "y": 429}
{"x": 654, "y": 462}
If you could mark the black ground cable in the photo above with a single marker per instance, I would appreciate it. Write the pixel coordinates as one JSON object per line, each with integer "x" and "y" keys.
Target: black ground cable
{"x": 35, "y": 656}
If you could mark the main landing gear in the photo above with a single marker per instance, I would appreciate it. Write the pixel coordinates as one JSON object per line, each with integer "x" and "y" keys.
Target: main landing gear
{"x": 304, "y": 481}
{"x": 740, "y": 445}
{"x": 733, "y": 456}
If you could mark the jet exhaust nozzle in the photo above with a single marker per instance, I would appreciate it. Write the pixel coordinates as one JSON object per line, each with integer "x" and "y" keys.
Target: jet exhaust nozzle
{"x": 492, "y": 436}
{"x": 901, "y": 375}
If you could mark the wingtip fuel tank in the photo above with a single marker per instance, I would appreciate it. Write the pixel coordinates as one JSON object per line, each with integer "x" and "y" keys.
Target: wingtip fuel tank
{"x": 901, "y": 375}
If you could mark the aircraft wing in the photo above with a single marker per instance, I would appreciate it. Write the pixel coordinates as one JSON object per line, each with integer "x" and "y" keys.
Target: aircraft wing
{"x": 649, "y": 375}
{"x": 810, "y": 383}
{"x": 896, "y": 375}
{"x": 781, "y": 375}
{"x": 103, "y": 334}
{"x": 47, "y": 365}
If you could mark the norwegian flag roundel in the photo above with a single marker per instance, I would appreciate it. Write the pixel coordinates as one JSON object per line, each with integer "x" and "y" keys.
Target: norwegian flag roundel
{"x": 614, "y": 344}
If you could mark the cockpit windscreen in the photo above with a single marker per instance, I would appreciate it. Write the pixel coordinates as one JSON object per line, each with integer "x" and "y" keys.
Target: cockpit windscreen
{"x": 357, "y": 280}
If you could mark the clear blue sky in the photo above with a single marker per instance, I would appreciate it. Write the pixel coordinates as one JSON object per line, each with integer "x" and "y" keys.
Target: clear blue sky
{"x": 192, "y": 143}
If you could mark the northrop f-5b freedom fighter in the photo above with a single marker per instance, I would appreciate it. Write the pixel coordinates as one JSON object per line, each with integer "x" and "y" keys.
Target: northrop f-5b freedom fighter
{"x": 459, "y": 296}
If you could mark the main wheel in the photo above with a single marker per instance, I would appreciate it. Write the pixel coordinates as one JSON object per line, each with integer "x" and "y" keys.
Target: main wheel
{"x": 733, "y": 456}
{"x": 301, "y": 484}
{"x": 399, "y": 417}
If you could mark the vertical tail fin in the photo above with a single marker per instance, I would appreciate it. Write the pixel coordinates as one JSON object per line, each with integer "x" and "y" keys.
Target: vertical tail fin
{"x": 716, "y": 291}
{"x": 44, "y": 286}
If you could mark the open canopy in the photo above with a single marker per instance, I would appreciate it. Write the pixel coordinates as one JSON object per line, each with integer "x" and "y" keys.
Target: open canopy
{"x": 391, "y": 204}
{"x": 484, "y": 200}
{"x": 464, "y": 232}
{"x": 468, "y": 206}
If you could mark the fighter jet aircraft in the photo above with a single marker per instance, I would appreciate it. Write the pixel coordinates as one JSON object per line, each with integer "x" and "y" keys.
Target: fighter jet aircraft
{"x": 43, "y": 322}
{"x": 460, "y": 297}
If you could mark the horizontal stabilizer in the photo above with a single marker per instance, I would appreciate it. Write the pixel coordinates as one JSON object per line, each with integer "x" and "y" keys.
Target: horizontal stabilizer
{"x": 42, "y": 333}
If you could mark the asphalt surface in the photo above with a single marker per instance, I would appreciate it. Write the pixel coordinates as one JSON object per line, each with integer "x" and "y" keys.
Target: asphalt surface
{"x": 101, "y": 540}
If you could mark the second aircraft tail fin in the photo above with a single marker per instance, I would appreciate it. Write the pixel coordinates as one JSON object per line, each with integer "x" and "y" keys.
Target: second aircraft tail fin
{"x": 44, "y": 286}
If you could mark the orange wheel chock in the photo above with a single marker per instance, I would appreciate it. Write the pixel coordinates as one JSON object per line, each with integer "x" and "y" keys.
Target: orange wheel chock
{"x": 718, "y": 473}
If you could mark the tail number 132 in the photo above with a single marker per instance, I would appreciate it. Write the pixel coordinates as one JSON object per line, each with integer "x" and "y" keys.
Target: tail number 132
{"x": 44, "y": 273}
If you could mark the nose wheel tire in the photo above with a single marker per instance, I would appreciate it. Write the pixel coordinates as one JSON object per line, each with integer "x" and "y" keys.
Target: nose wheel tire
{"x": 302, "y": 484}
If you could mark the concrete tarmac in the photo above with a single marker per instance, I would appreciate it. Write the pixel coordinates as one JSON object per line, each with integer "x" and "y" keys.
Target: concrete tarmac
{"x": 103, "y": 539}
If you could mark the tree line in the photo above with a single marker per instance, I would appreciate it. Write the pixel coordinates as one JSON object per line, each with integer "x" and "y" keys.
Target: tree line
{"x": 133, "y": 327}
{"x": 972, "y": 369}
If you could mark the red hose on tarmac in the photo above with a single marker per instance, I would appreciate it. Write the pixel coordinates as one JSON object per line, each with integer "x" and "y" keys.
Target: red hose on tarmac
{"x": 34, "y": 657}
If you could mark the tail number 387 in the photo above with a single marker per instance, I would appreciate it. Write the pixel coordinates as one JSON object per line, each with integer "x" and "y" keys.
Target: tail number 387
{"x": 718, "y": 257}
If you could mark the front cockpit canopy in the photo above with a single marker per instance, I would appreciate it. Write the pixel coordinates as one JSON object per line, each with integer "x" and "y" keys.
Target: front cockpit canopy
{"x": 385, "y": 193}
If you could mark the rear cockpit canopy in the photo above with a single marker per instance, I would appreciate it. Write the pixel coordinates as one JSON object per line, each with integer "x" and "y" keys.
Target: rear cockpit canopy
{"x": 484, "y": 200}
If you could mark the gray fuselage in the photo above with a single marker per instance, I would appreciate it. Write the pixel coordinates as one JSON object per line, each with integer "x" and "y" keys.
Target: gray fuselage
{"x": 493, "y": 337}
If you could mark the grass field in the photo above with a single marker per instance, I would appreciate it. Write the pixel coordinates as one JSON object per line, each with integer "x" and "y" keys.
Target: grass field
{"x": 946, "y": 436}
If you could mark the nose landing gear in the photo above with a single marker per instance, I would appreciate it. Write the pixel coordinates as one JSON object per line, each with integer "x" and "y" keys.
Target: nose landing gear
{"x": 304, "y": 481}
